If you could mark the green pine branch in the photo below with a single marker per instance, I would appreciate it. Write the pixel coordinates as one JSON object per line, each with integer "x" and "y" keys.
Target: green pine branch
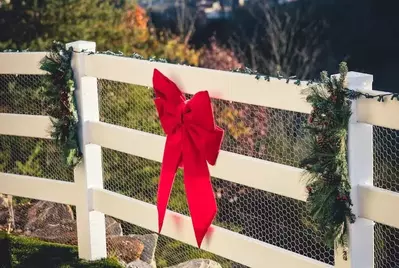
{"x": 329, "y": 202}
{"x": 61, "y": 102}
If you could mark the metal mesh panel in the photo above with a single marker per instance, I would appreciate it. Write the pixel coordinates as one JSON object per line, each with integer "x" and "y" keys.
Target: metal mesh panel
{"x": 47, "y": 221}
{"x": 128, "y": 105}
{"x": 264, "y": 133}
{"x": 159, "y": 250}
{"x": 22, "y": 94}
{"x": 386, "y": 173}
{"x": 52, "y": 222}
{"x": 264, "y": 216}
{"x": 33, "y": 157}
{"x": 386, "y": 246}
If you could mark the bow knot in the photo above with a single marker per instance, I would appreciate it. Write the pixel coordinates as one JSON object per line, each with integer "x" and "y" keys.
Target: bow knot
{"x": 192, "y": 140}
{"x": 182, "y": 112}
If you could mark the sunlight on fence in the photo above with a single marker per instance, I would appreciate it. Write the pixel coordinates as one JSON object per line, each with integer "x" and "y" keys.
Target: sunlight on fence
{"x": 260, "y": 222}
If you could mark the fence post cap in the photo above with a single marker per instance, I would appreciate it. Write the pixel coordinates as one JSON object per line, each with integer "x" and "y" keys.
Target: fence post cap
{"x": 81, "y": 45}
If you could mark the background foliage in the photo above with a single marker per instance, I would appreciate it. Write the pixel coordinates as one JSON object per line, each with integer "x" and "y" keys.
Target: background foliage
{"x": 346, "y": 30}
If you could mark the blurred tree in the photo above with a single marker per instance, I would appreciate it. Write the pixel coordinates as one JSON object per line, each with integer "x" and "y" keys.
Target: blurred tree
{"x": 281, "y": 39}
{"x": 34, "y": 24}
{"x": 218, "y": 57}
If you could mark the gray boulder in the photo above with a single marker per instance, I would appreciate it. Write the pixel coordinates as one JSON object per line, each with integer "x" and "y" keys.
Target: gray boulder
{"x": 63, "y": 232}
{"x": 55, "y": 222}
{"x": 138, "y": 264}
{"x": 198, "y": 263}
{"x": 150, "y": 245}
{"x": 113, "y": 227}
{"x": 44, "y": 213}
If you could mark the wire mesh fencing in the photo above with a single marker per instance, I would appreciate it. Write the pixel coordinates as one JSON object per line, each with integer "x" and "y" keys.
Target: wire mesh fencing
{"x": 255, "y": 131}
{"x": 158, "y": 250}
{"x": 25, "y": 94}
{"x": 386, "y": 174}
{"x": 33, "y": 157}
{"x": 22, "y": 94}
{"x": 265, "y": 133}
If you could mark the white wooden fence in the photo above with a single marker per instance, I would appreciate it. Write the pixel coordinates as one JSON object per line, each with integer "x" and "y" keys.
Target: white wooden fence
{"x": 371, "y": 204}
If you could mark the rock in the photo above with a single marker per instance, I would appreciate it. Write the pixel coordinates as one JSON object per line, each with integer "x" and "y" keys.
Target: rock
{"x": 150, "y": 245}
{"x": 21, "y": 215}
{"x": 113, "y": 227}
{"x": 44, "y": 213}
{"x": 138, "y": 264}
{"x": 198, "y": 263}
{"x": 3, "y": 209}
{"x": 55, "y": 222}
{"x": 63, "y": 232}
{"x": 127, "y": 249}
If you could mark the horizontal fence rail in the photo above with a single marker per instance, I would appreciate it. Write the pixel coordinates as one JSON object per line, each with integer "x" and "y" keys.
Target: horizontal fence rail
{"x": 230, "y": 86}
{"x": 220, "y": 84}
{"x": 222, "y": 242}
{"x": 34, "y": 126}
{"x": 21, "y": 63}
{"x": 379, "y": 205}
{"x": 38, "y": 188}
{"x": 372, "y": 112}
{"x": 245, "y": 170}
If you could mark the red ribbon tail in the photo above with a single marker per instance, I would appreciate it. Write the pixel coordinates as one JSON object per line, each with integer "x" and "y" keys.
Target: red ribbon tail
{"x": 201, "y": 201}
{"x": 171, "y": 160}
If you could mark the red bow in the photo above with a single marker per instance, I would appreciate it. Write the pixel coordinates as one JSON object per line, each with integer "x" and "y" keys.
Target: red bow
{"x": 192, "y": 140}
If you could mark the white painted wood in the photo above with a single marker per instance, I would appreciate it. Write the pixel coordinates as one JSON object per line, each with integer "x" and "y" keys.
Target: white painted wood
{"x": 231, "y": 86}
{"x": 21, "y": 62}
{"x": 220, "y": 84}
{"x": 35, "y": 126}
{"x": 38, "y": 188}
{"x": 379, "y": 205}
{"x": 225, "y": 243}
{"x": 90, "y": 224}
{"x": 376, "y": 113}
{"x": 260, "y": 174}
{"x": 360, "y": 161}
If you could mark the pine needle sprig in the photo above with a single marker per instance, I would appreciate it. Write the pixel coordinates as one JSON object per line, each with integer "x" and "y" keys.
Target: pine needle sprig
{"x": 61, "y": 102}
{"x": 329, "y": 202}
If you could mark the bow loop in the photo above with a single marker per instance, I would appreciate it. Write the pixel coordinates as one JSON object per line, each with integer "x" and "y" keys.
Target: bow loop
{"x": 192, "y": 140}
{"x": 169, "y": 101}
{"x": 166, "y": 89}
{"x": 201, "y": 113}
{"x": 208, "y": 142}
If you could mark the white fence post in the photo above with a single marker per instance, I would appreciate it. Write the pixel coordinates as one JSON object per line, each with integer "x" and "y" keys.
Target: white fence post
{"x": 360, "y": 161}
{"x": 90, "y": 224}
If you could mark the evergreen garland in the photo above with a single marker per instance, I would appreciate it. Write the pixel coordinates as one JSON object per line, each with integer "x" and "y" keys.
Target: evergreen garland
{"x": 329, "y": 201}
{"x": 61, "y": 103}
